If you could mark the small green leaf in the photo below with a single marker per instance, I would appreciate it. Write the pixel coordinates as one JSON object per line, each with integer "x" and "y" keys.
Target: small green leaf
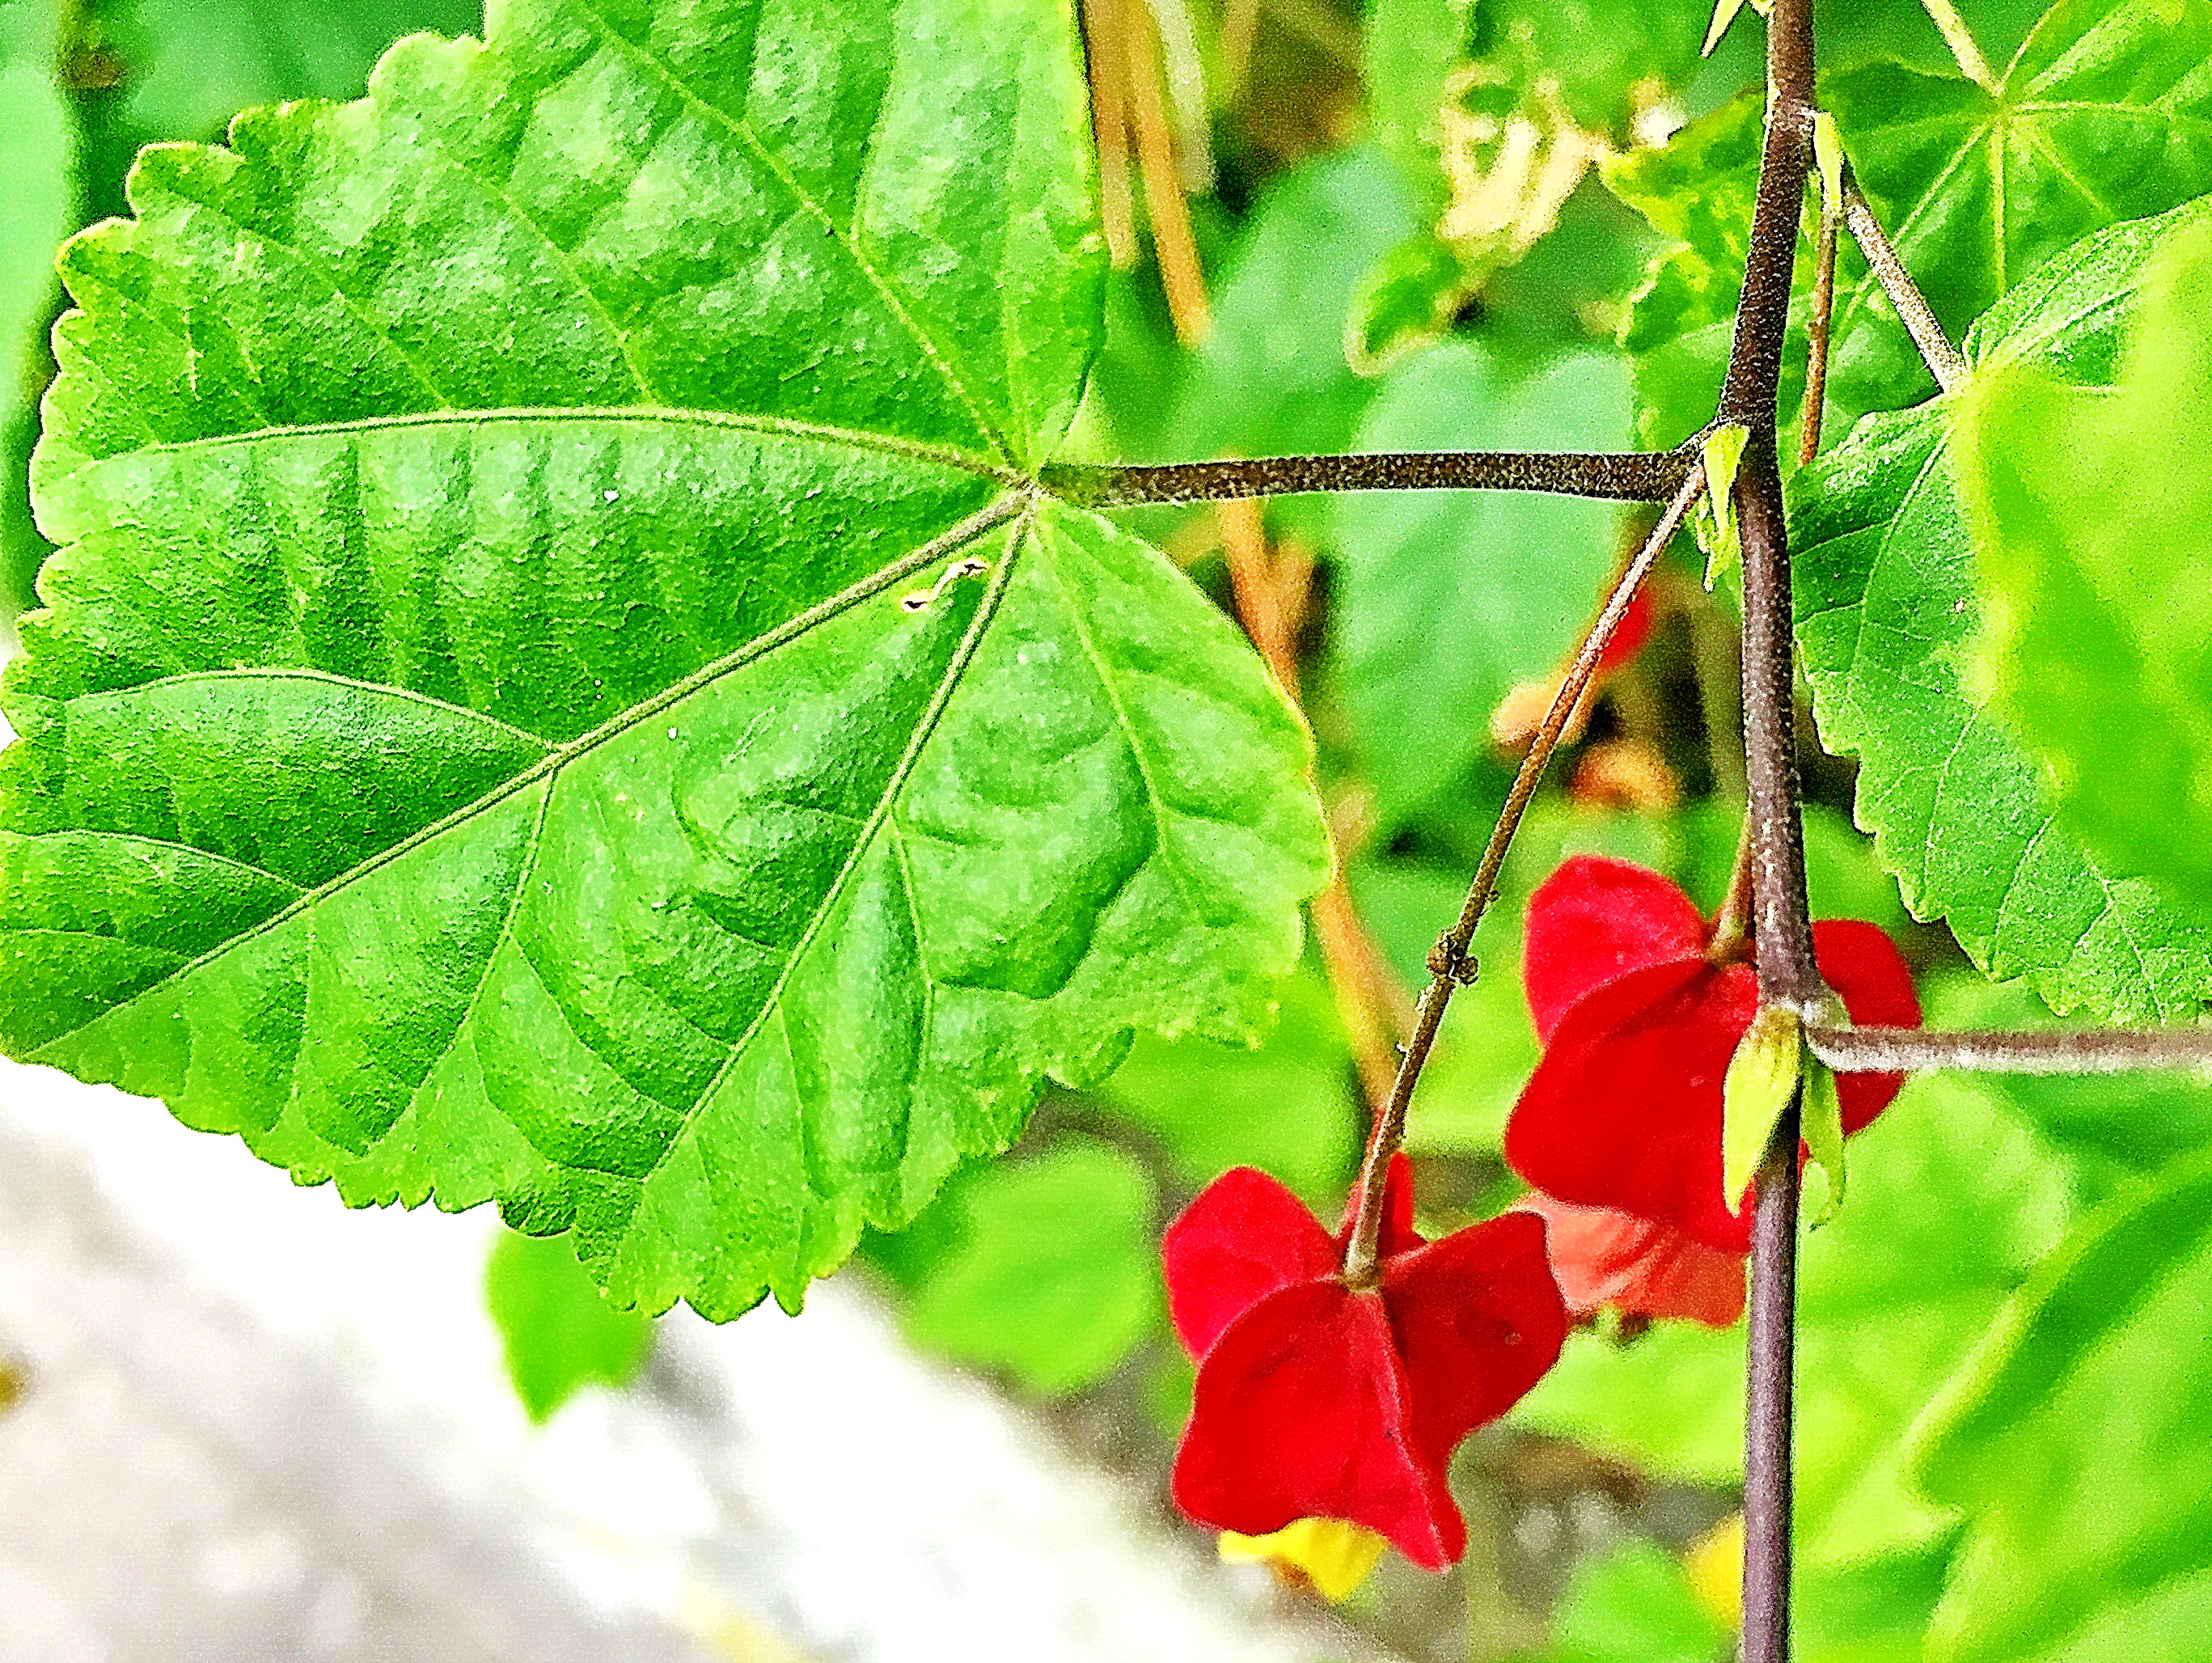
{"x": 558, "y": 1331}
{"x": 1449, "y": 599}
{"x": 1823, "y": 1117}
{"x": 1052, "y": 1275}
{"x": 1828, "y": 157}
{"x": 1724, "y": 454}
{"x": 2089, "y": 511}
{"x": 2074, "y": 1445}
{"x": 1763, "y": 1076}
{"x": 1886, "y": 616}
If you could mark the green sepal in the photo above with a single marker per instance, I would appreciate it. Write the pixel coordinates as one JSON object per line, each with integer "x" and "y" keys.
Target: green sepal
{"x": 1822, "y": 1119}
{"x": 1762, "y": 1077}
{"x": 1717, "y": 532}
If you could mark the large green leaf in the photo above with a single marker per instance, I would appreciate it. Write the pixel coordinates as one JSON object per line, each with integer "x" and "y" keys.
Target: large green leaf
{"x": 526, "y": 712}
{"x": 2104, "y": 114}
{"x": 2090, "y": 513}
{"x": 2076, "y": 1447}
{"x": 1953, "y": 1199}
{"x": 1448, "y": 599}
{"x": 1886, "y": 614}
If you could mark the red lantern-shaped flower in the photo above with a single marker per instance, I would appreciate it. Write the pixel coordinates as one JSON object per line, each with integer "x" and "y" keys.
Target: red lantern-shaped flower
{"x": 1638, "y": 1022}
{"x": 1318, "y": 1399}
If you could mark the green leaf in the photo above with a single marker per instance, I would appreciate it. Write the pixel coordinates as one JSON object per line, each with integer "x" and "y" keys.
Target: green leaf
{"x": 192, "y": 63}
{"x": 2088, "y": 512}
{"x": 1286, "y": 1107}
{"x": 2076, "y": 1447}
{"x": 1449, "y": 599}
{"x": 1886, "y": 610}
{"x": 1408, "y": 52}
{"x": 512, "y": 723}
{"x": 1603, "y": 64}
{"x": 2104, "y": 114}
{"x": 1273, "y": 378}
{"x": 558, "y": 1332}
{"x": 1724, "y": 454}
{"x": 1954, "y": 1200}
{"x": 1634, "y": 1606}
{"x": 37, "y": 158}
{"x": 1052, "y": 1275}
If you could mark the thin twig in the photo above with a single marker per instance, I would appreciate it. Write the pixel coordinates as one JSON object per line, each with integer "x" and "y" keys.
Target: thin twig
{"x": 1960, "y": 39}
{"x": 1109, "y": 120}
{"x": 1817, "y": 332}
{"x": 1449, "y": 965}
{"x": 1181, "y": 275}
{"x": 1936, "y": 351}
{"x": 1621, "y": 477}
{"x": 2040, "y": 1050}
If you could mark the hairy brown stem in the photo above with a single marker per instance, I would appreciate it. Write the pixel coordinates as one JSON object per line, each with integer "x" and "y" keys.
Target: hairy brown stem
{"x": 1449, "y": 965}
{"x": 2038, "y": 1051}
{"x": 1770, "y": 1345}
{"x": 1622, "y": 477}
{"x": 1782, "y": 929}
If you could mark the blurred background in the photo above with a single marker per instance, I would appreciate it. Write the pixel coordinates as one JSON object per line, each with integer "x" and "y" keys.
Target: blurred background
{"x": 238, "y": 1423}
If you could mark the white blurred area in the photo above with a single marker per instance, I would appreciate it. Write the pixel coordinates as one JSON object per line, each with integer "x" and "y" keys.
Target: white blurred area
{"x": 257, "y": 1426}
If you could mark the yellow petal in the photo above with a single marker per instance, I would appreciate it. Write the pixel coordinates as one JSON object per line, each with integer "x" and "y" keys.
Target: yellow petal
{"x": 1715, "y": 1570}
{"x": 1327, "y": 1554}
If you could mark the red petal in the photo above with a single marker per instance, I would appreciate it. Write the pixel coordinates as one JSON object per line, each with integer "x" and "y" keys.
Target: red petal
{"x": 1596, "y": 919}
{"x": 1630, "y": 633}
{"x": 1603, "y": 1259}
{"x": 1398, "y": 1235}
{"x": 1479, "y": 1321}
{"x": 1300, "y": 1412}
{"x": 1625, "y": 1109}
{"x": 1243, "y": 1238}
{"x": 1867, "y": 972}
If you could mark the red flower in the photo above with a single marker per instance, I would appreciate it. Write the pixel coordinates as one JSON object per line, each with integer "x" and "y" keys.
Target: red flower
{"x": 1623, "y": 1112}
{"x": 1604, "y": 1259}
{"x": 1318, "y": 1400}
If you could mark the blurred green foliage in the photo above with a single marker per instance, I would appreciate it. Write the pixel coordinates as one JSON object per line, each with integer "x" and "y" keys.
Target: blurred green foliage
{"x": 556, "y": 1330}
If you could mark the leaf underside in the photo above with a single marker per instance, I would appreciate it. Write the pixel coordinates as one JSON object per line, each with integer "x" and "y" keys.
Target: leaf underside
{"x": 556, "y": 690}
